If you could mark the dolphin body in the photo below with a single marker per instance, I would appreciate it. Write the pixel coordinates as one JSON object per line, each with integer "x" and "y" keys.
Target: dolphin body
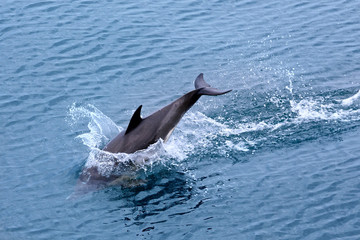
{"x": 141, "y": 133}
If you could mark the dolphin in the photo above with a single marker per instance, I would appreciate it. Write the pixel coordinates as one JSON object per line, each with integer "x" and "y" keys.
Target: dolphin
{"x": 142, "y": 132}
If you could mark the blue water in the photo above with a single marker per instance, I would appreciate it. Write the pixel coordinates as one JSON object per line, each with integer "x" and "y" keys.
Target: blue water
{"x": 277, "y": 158}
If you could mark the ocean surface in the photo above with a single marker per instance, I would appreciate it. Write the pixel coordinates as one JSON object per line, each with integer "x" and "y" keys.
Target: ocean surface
{"x": 276, "y": 158}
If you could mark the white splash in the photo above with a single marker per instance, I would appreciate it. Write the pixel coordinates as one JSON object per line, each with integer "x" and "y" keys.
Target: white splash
{"x": 245, "y": 127}
{"x": 349, "y": 101}
{"x": 309, "y": 110}
{"x": 101, "y": 127}
{"x": 199, "y": 131}
{"x": 116, "y": 163}
{"x": 195, "y": 132}
{"x": 239, "y": 146}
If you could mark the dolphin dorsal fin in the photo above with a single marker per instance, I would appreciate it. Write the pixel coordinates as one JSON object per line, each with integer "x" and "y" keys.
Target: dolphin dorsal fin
{"x": 135, "y": 120}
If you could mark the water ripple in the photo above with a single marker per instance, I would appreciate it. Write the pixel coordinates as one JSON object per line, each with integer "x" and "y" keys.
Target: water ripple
{"x": 279, "y": 156}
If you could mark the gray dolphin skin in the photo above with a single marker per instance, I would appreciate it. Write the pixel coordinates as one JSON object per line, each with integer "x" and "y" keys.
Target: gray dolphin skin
{"x": 143, "y": 132}
{"x": 140, "y": 133}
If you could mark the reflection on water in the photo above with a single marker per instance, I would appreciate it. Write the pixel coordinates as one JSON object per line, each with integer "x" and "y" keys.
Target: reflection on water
{"x": 163, "y": 190}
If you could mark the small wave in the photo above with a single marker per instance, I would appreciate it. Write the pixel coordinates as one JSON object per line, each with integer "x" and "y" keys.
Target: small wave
{"x": 200, "y": 131}
{"x": 290, "y": 121}
{"x": 102, "y": 128}
{"x": 309, "y": 109}
{"x": 197, "y": 132}
{"x": 116, "y": 164}
{"x": 349, "y": 101}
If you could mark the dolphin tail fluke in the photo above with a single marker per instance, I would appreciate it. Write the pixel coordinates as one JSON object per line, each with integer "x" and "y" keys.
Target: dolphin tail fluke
{"x": 212, "y": 91}
{"x": 205, "y": 88}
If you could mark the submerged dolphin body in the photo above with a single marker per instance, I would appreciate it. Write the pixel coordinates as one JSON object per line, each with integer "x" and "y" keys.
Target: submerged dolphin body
{"x": 143, "y": 132}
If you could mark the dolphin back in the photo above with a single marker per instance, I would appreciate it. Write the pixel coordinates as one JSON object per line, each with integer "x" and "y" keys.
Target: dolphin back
{"x": 205, "y": 88}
